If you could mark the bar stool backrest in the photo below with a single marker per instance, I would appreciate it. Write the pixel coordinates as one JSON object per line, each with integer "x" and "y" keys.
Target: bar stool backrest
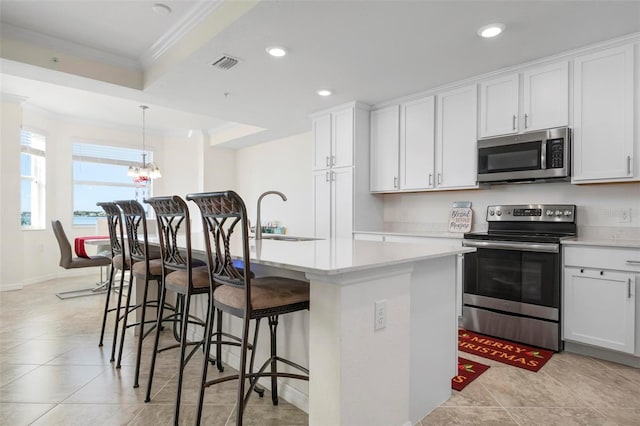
{"x": 114, "y": 223}
{"x": 135, "y": 221}
{"x": 222, "y": 213}
{"x": 174, "y": 227}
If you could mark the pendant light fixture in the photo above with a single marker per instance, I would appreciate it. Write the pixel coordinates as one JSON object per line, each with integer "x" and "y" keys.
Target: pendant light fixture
{"x": 147, "y": 171}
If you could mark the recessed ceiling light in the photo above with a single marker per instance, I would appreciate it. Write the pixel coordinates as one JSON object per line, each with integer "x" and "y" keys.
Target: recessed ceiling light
{"x": 276, "y": 51}
{"x": 491, "y": 30}
{"x": 161, "y": 9}
{"x": 323, "y": 92}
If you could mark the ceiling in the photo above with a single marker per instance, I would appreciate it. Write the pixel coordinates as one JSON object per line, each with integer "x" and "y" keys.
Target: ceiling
{"x": 99, "y": 60}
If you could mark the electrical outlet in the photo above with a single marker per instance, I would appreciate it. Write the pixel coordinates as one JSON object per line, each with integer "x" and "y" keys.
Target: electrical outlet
{"x": 380, "y": 315}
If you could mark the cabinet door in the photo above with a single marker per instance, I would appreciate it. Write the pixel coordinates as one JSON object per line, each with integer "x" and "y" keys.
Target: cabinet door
{"x": 322, "y": 142}
{"x": 417, "y": 143}
{"x": 322, "y": 203}
{"x": 342, "y": 202}
{"x": 499, "y": 106}
{"x": 385, "y": 125}
{"x": 603, "y": 116}
{"x": 599, "y": 308}
{"x": 546, "y": 97}
{"x": 342, "y": 138}
{"x": 456, "y": 144}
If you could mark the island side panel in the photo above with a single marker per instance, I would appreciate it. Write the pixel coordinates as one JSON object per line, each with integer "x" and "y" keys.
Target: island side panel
{"x": 433, "y": 334}
{"x": 360, "y": 375}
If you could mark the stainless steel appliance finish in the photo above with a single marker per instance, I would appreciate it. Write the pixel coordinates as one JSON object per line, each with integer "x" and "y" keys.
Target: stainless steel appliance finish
{"x": 530, "y": 157}
{"x": 512, "y": 282}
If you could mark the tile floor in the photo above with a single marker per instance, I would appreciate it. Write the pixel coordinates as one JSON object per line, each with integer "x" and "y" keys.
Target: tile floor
{"x": 52, "y": 372}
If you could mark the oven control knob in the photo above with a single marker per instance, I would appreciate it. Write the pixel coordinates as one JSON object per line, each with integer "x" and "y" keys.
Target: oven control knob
{"x": 491, "y": 213}
{"x": 567, "y": 212}
{"x": 549, "y": 212}
{"x": 558, "y": 213}
{"x": 499, "y": 213}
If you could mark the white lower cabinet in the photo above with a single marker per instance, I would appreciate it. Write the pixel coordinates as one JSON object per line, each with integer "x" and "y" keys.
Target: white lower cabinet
{"x": 599, "y": 308}
{"x": 333, "y": 203}
{"x": 599, "y": 302}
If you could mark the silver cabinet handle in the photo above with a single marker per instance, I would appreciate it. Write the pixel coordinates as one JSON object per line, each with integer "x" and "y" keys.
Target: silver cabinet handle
{"x": 439, "y": 178}
{"x": 327, "y": 176}
{"x": 333, "y": 175}
{"x": 629, "y": 288}
{"x": 514, "y": 122}
{"x": 543, "y": 155}
{"x": 395, "y": 182}
{"x": 513, "y": 245}
{"x": 628, "y": 164}
{"x": 327, "y": 161}
{"x": 633, "y": 262}
{"x": 526, "y": 116}
{"x": 333, "y": 160}
{"x": 430, "y": 179}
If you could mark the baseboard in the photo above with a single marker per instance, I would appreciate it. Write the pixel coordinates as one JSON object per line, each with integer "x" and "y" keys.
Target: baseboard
{"x": 607, "y": 355}
{"x": 11, "y": 287}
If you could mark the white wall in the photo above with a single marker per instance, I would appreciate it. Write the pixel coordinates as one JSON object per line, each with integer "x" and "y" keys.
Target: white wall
{"x": 427, "y": 212}
{"x": 282, "y": 165}
{"x": 10, "y": 241}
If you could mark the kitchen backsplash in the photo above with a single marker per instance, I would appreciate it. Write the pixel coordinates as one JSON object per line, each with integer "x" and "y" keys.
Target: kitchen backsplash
{"x": 610, "y": 211}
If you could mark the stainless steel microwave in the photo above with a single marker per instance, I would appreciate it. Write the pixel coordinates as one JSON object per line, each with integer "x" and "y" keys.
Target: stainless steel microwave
{"x": 536, "y": 156}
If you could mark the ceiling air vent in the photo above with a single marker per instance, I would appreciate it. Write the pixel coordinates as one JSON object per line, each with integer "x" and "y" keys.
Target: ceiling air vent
{"x": 225, "y": 62}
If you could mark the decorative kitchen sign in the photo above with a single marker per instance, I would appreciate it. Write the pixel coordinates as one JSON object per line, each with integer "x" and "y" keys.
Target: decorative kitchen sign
{"x": 460, "y": 217}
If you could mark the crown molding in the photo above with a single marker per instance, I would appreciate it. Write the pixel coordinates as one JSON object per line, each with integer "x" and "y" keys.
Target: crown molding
{"x": 12, "y": 98}
{"x": 27, "y": 36}
{"x": 186, "y": 24}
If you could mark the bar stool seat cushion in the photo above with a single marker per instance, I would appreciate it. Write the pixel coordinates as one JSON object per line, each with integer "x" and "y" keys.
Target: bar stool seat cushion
{"x": 139, "y": 269}
{"x": 177, "y": 280}
{"x": 266, "y": 293}
{"x": 120, "y": 262}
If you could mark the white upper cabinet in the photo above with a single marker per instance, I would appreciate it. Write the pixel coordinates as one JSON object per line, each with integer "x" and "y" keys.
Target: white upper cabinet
{"x": 546, "y": 97}
{"x": 417, "y": 144}
{"x": 603, "y": 117}
{"x": 456, "y": 139}
{"x": 333, "y": 140}
{"x": 385, "y": 135}
{"x": 499, "y": 106}
{"x": 542, "y": 103}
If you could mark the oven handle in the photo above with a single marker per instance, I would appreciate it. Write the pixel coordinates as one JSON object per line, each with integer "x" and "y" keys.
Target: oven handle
{"x": 512, "y": 245}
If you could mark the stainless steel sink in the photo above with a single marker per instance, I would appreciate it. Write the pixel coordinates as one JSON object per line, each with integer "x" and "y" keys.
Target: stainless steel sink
{"x": 287, "y": 238}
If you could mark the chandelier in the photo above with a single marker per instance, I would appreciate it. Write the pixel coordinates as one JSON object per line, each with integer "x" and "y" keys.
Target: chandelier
{"x": 147, "y": 171}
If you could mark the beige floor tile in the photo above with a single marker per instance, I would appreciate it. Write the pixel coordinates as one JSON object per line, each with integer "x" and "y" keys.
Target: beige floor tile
{"x": 474, "y": 394}
{"x": 551, "y": 416}
{"x": 622, "y": 416}
{"x": 49, "y": 384}
{"x": 10, "y": 372}
{"x": 162, "y": 415}
{"x": 451, "y": 416}
{"x": 18, "y": 414}
{"x": 89, "y": 414}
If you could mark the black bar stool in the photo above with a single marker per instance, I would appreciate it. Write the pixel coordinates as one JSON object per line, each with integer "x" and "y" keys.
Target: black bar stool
{"x": 119, "y": 262}
{"x": 238, "y": 293}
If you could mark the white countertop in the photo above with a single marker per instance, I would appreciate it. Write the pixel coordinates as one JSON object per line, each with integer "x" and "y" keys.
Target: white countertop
{"x": 335, "y": 256}
{"x": 602, "y": 242}
{"x": 434, "y": 234}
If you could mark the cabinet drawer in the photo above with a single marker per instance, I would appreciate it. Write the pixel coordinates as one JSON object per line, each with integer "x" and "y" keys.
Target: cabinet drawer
{"x": 621, "y": 259}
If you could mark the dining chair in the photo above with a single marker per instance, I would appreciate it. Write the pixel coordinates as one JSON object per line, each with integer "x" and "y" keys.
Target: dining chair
{"x": 146, "y": 266}
{"x": 181, "y": 274}
{"x": 68, "y": 261}
{"x": 238, "y": 293}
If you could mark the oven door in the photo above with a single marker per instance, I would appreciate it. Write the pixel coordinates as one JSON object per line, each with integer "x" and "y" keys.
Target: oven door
{"x": 521, "y": 278}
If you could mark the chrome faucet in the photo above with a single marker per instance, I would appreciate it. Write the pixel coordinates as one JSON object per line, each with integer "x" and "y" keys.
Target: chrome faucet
{"x": 258, "y": 224}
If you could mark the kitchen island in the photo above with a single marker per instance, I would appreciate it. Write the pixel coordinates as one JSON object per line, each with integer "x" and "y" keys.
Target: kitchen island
{"x": 366, "y": 370}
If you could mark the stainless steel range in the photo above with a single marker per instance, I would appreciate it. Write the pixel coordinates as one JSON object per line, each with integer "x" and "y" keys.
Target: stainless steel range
{"x": 512, "y": 281}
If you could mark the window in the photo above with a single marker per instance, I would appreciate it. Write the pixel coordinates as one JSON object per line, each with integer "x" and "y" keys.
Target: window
{"x": 32, "y": 180}
{"x": 100, "y": 174}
